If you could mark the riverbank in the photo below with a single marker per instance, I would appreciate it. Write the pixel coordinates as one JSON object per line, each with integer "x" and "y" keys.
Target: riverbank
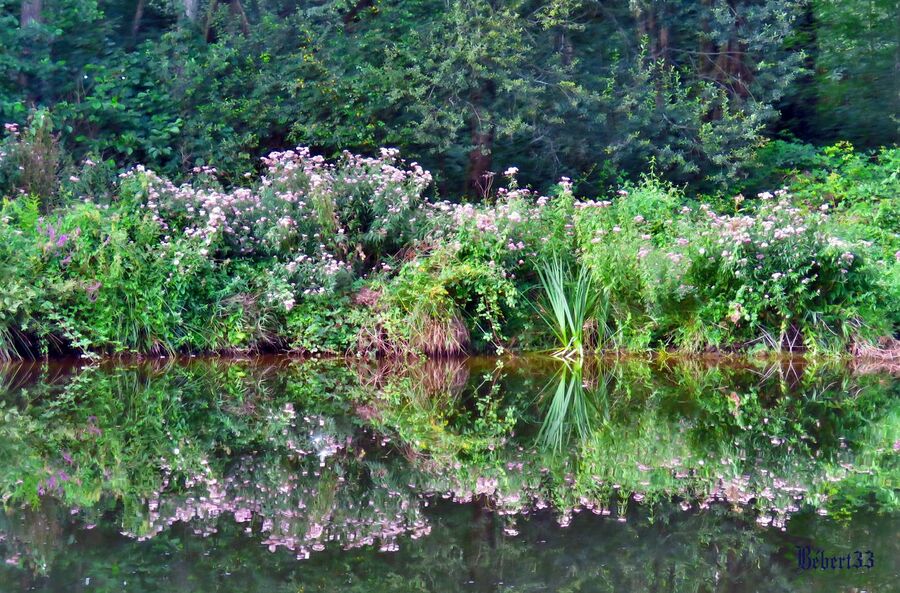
{"x": 764, "y": 364}
{"x": 354, "y": 257}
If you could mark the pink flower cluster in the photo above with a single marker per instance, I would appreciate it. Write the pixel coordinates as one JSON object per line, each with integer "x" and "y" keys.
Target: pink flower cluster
{"x": 316, "y": 216}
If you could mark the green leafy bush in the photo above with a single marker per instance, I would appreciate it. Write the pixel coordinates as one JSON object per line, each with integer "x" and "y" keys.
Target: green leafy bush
{"x": 443, "y": 302}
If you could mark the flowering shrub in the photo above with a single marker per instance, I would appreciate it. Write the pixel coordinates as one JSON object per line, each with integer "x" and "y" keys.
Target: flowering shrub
{"x": 785, "y": 280}
{"x": 301, "y": 203}
{"x": 515, "y": 231}
{"x": 623, "y": 241}
{"x": 477, "y": 263}
{"x": 777, "y": 273}
{"x": 773, "y": 274}
{"x": 322, "y": 221}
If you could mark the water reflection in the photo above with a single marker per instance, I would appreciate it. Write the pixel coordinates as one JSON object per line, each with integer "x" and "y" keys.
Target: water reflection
{"x": 575, "y": 407}
{"x": 327, "y": 458}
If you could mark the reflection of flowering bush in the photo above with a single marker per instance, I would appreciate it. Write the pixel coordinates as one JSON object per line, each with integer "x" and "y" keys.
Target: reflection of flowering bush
{"x": 303, "y": 495}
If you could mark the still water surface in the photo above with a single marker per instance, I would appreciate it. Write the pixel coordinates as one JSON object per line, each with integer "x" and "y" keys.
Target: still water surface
{"x": 523, "y": 475}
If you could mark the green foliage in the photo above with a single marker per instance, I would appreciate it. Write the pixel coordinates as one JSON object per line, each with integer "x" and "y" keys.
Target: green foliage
{"x": 616, "y": 238}
{"x": 837, "y": 175}
{"x": 859, "y": 192}
{"x": 30, "y": 160}
{"x": 460, "y": 86}
{"x": 103, "y": 279}
{"x": 317, "y": 327}
{"x": 855, "y": 50}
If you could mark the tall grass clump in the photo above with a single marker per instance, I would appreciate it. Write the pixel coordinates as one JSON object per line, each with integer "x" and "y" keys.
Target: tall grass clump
{"x": 573, "y": 309}
{"x": 441, "y": 304}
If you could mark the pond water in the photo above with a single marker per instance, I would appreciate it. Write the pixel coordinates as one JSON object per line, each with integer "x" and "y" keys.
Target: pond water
{"x": 519, "y": 474}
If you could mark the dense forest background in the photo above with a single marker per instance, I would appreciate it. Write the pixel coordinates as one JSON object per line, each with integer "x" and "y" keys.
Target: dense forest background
{"x": 592, "y": 90}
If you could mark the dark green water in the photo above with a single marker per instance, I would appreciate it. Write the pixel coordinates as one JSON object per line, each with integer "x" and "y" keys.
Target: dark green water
{"x": 486, "y": 475}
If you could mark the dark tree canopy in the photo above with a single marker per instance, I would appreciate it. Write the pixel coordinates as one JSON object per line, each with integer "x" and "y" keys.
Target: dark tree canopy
{"x": 589, "y": 89}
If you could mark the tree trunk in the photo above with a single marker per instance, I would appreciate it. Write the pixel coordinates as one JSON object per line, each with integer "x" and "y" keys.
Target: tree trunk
{"x": 731, "y": 70}
{"x": 478, "y": 178}
{"x": 664, "y": 42}
{"x": 31, "y": 12}
{"x": 191, "y": 10}
{"x": 236, "y": 9}
{"x": 566, "y": 49}
{"x": 138, "y": 16}
{"x": 648, "y": 20}
{"x": 207, "y": 23}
